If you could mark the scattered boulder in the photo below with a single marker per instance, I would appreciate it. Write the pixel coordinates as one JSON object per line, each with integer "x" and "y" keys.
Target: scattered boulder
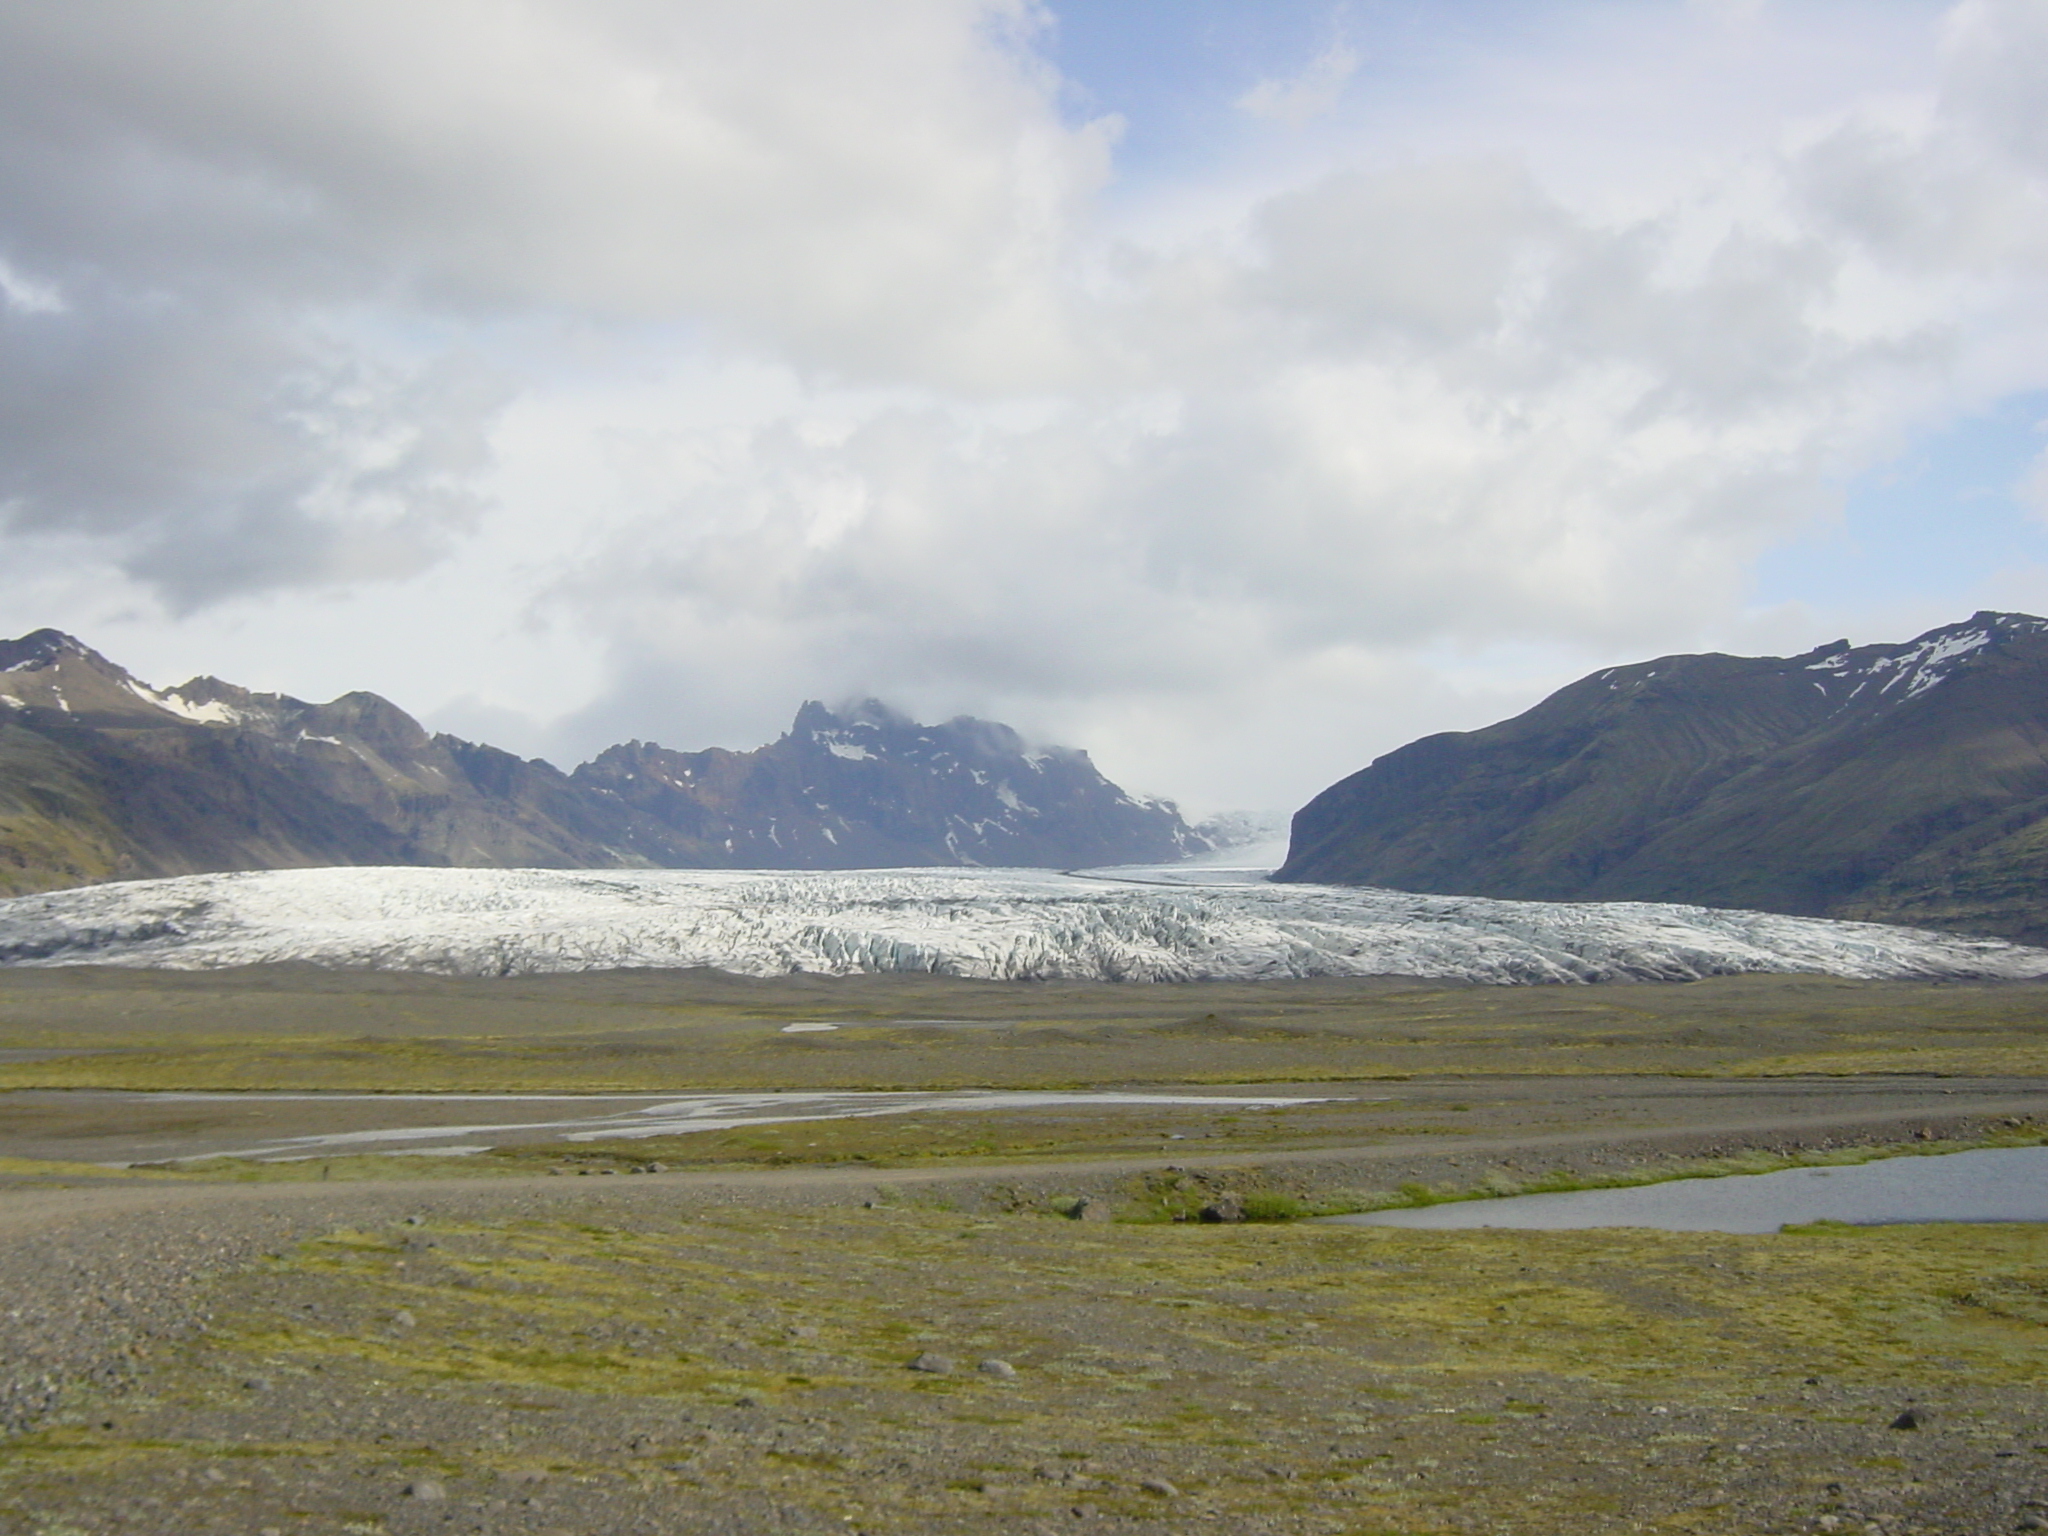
{"x": 1225, "y": 1207}
{"x": 1002, "y": 1370}
{"x": 1912, "y": 1418}
{"x": 932, "y": 1365}
{"x": 404, "y": 1319}
{"x": 1159, "y": 1487}
{"x": 426, "y": 1493}
{"x": 1080, "y": 1208}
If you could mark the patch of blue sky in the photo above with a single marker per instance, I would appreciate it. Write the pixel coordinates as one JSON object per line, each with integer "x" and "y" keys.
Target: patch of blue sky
{"x": 1176, "y": 71}
{"x": 1944, "y": 519}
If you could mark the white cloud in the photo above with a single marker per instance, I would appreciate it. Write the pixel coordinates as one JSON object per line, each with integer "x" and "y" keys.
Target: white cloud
{"x": 25, "y": 296}
{"x": 1310, "y": 94}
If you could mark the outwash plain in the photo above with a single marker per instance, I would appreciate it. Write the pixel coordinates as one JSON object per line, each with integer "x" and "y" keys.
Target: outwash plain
{"x": 1000, "y": 1320}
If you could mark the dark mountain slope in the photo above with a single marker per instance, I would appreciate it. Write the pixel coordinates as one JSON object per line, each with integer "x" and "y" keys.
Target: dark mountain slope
{"x": 1903, "y": 782}
{"x": 872, "y": 789}
{"x": 103, "y": 777}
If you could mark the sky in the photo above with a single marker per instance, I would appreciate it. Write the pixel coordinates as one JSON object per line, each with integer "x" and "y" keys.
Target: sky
{"x": 1236, "y": 390}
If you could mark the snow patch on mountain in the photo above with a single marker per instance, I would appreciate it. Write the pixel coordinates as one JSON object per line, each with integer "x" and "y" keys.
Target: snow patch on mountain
{"x": 1906, "y": 671}
{"x": 1121, "y": 925}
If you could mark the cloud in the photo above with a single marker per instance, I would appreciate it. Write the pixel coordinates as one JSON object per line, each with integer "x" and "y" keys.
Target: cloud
{"x": 790, "y": 349}
{"x": 282, "y": 235}
{"x": 25, "y": 296}
{"x": 1310, "y": 94}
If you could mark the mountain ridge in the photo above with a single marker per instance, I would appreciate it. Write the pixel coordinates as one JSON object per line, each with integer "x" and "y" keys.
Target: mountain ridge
{"x": 104, "y": 777}
{"x": 1901, "y": 783}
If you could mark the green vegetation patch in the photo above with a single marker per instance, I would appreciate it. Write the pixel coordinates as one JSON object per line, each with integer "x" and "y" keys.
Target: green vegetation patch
{"x": 662, "y": 1030}
{"x": 1260, "y": 1377}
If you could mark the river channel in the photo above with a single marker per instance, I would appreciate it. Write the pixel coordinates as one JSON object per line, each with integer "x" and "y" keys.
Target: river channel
{"x": 1999, "y": 1184}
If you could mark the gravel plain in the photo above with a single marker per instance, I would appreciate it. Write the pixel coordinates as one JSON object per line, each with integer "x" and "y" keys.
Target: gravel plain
{"x": 729, "y": 1351}
{"x": 544, "y": 1339}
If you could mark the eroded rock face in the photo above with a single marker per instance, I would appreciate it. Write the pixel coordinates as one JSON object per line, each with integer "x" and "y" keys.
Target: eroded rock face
{"x": 1899, "y": 783}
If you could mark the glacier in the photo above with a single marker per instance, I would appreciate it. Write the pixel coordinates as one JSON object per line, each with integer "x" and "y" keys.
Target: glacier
{"x": 1173, "y": 923}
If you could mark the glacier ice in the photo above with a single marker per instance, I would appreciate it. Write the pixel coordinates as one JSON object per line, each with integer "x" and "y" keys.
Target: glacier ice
{"x": 1175, "y": 923}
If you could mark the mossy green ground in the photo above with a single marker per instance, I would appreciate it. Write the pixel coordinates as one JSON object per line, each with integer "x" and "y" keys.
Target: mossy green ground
{"x": 729, "y": 1364}
{"x": 299, "y": 1028}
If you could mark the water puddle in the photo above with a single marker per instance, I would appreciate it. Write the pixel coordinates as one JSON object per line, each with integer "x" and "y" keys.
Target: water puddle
{"x": 2000, "y": 1184}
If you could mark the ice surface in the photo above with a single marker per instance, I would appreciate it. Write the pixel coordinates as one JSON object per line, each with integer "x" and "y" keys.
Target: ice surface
{"x": 1169, "y": 923}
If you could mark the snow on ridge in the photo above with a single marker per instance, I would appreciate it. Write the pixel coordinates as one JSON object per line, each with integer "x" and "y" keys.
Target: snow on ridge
{"x": 1123, "y": 925}
{"x": 1919, "y": 666}
{"x": 213, "y": 712}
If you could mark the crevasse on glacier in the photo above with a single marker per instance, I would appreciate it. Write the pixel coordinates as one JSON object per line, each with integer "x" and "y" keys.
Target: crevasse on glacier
{"x": 1170, "y": 924}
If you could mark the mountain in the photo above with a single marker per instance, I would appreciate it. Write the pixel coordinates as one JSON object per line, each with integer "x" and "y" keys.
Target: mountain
{"x": 871, "y": 789}
{"x": 103, "y": 778}
{"x": 1895, "y": 783}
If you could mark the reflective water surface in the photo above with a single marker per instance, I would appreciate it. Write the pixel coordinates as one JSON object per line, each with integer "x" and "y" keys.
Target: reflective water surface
{"x": 2004, "y": 1184}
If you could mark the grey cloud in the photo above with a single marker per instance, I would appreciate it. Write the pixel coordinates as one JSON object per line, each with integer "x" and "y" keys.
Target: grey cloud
{"x": 1997, "y": 63}
{"x": 262, "y": 221}
{"x": 214, "y": 453}
{"x": 882, "y": 189}
{"x": 1423, "y": 253}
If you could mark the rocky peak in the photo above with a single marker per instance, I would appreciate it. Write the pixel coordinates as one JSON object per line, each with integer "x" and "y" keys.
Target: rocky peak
{"x": 47, "y": 669}
{"x": 41, "y": 648}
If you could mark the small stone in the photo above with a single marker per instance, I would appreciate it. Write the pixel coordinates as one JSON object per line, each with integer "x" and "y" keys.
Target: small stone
{"x": 655, "y": 1168}
{"x": 1002, "y": 1370}
{"x": 1160, "y": 1487}
{"x": 426, "y": 1493}
{"x": 1910, "y": 1419}
{"x": 746, "y": 1402}
{"x": 2031, "y": 1523}
{"x": 414, "y": 1221}
{"x": 404, "y": 1319}
{"x": 1223, "y": 1208}
{"x": 256, "y": 1384}
{"x": 803, "y": 1331}
{"x": 932, "y": 1365}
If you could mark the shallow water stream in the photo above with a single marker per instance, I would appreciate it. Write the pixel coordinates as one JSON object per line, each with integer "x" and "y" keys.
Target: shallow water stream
{"x": 2001, "y": 1184}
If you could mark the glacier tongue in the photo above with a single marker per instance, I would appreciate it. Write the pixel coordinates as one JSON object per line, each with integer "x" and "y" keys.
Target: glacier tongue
{"x": 1172, "y": 924}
